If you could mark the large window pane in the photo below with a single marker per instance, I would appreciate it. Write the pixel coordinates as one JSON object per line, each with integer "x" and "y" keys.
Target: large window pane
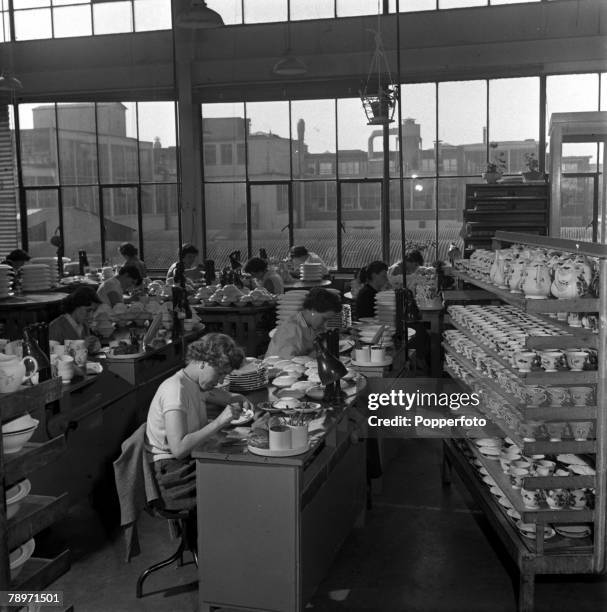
{"x": 315, "y": 218}
{"x": 33, "y": 24}
{"x": 269, "y": 143}
{"x": 226, "y": 221}
{"x": 120, "y": 218}
{"x": 258, "y": 11}
{"x": 450, "y": 4}
{"x": 72, "y": 21}
{"x": 313, "y": 134}
{"x": 118, "y": 147}
{"x": 112, "y": 17}
{"x": 514, "y": 120}
{"x": 223, "y": 131}
{"x": 270, "y": 219}
{"x": 409, "y": 6}
{"x": 42, "y": 221}
{"x": 419, "y": 129}
{"x": 77, "y": 143}
{"x": 157, "y": 141}
{"x": 349, "y": 8}
{"x": 577, "y": 208}
{"x": 160, "y": 225}
{"x": 81, "y": 228}
{"x": 152, "y": 15}
{"x": 462, "y": 122}
{"x": 360, "y": 215}
{"x": 230, "y": 10}
{"x": 38, "y": 144}
{"x": 359, "y": 144}
{"x": 311, "y": 9}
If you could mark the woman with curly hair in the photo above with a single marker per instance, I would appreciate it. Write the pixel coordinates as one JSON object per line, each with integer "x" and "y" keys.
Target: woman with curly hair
{"x": 177, "y": 420}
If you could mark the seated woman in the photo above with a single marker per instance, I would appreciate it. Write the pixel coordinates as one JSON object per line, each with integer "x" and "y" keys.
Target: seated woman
{"x": 413, "y": 260}
{"x": 268, "y": 279}
{"x": 112, "y": 290}
{"x": 296, "y": 335}
{"x": 373, "y": 278}
{"x": 130, "y": 254}
{"x": 188, "y": 254}
{"x": 177, "y": 420}
{"x": 74, "y": 323}
{"x": 300, "y": 255}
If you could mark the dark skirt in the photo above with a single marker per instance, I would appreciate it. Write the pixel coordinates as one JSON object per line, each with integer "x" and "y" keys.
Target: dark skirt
{"x": 176, "y": 480}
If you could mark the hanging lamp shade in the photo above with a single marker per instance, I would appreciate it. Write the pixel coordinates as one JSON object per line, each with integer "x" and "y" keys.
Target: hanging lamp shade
{"x": 10, "y": 83}
{"x": 199, "y": 17}
{"x": 290, "y": 65}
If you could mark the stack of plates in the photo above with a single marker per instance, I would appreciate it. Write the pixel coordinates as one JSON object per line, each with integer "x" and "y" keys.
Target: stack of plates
{"x": 51, "y": 262}
{"x": 310, "y": 272}
{"x": 366, "y": 333}
{"x": 289, "y": 303}
{"x": 342, "y": 320}
{"x": 6, "y": 280}
{"x": 385, "y": 307}
{"x": 36, "y": 277}
{"x": 250, "y": 377}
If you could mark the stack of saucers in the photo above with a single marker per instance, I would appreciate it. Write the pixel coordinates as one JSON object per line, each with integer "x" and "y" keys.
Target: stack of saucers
{"x": 289, "y": 303}
{"x": 51, "y": 262}
{"x": 6, "y": 280}
{"x": 36, "y": 277}
{"x": 385, "y": 307}
{"x": 367, "y": 331}
{"x": 249, "y": 377}
{"x": 310, "y": 272}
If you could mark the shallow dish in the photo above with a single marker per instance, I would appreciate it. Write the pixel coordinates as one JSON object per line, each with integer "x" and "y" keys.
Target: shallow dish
{"x": 290, "y": 392}
{"x": 14, "y": 442}
{"x": 19, "y": 556}
{"x": 284, "y": 381}
{"x": 287, "y": 403}
{"x": 23, "y": 423}
{"x": 266, "y": 452}
{"x": 15, "y": 495}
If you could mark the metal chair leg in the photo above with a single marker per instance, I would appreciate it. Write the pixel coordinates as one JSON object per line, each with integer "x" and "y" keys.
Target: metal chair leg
{"x": 174, "y": 557}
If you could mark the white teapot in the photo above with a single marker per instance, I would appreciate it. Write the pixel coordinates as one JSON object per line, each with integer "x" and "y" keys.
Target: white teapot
{"x": 13, "y": 372}
{"x": 536, "y": 280}
{"x": 568, "y": 281}
{"x": 515, "y": 274}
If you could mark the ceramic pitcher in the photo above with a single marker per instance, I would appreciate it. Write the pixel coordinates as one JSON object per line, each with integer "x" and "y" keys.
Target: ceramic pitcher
{"x": 567, "y": 282}
{"x": 13, "y": 372}
{"x": 536, "y": 280}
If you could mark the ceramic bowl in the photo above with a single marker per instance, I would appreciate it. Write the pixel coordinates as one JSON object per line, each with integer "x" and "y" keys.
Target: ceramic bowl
{"x": 14, "y": 497}
{"x": 19, "y": 556}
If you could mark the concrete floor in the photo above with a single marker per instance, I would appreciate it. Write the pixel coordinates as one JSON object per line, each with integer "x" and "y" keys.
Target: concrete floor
{"x": 424, "y": 548}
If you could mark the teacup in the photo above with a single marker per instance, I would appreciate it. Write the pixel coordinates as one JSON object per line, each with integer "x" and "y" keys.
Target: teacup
{"x": 558, "y": 395}
{"x": 556, "y": 431}
{"x": 529, "y": 430}
{"x": 535, "y": 395}
{"x": 581, "y": 396}
{"x": 517, "y": 475}
{"x": 574, "y": 319}
{"x": 531, "y": 498}
{"x": 378, "y": 354}
{"x": 544, "y": 467}
{"x": 577, "y": 498}
{"x": 551, "y": 360}
{"x": 580, "y": 430}
{"x": 65, "y": 367}
{"x": 576, "y": 360}
{"x": 525, "y": 360}
{"x": 556, "y": 498}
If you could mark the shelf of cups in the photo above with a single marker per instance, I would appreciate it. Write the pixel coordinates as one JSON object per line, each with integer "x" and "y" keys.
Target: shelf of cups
{"x": 583, "y": 304}
{"x": 529, "y": 515}
{"x": 589, "y": 249}
{"x": 511, "y": 400}
{"x": 518, "y": 546}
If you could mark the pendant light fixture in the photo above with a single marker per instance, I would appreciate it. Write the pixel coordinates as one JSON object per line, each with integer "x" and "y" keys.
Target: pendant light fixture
{"x": 289, "y": 64}
{"x": 199, "y": 17}
{"x": 379, "y": 92}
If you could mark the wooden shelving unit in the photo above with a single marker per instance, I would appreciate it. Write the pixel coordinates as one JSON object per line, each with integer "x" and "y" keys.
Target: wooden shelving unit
{"x": 37, "y": 512}
{"x": 515, "y": 206}
{"x": 559, "y": 555}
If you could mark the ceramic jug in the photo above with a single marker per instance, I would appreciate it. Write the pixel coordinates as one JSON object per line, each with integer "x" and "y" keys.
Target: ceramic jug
{"x": 536, "y": 280}
{"x": 515, "y": 274}
{"x": 13, "y": 372}
{"x": 567, "y": 283}
{"x": 583, "y": 267}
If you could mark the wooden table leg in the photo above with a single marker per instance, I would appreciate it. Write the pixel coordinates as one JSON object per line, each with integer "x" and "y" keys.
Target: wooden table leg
{"x": 526, "y": 591}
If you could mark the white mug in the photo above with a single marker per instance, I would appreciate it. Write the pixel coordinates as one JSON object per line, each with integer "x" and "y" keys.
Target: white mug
{"x": 363, "y": 355}
{"x": 65, "y": 368}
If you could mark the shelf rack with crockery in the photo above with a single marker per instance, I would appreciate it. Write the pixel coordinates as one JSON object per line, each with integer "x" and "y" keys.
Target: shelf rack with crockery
{"x": 37, "y": 512}
{"x": 538, "y": 557}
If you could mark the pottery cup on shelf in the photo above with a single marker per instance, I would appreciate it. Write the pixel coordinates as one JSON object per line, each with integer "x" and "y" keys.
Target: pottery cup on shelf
{"x": 556, "y": 431}
{"x": 544, "y": 467}
{"x": 529, "y": 430}
{"x": 525, "y": 360}
{"x": 577, "y": 498}
{"x": 551, "y": 360}
{"x": 576, "y": 360}
{"x": 581, "y": 396}
{"x": 580, "y": 430}
{"x": 556, "y": 498}
{"x": 559, "y": 396}
{"x": 531, "y": 498}
{"x": 535, "y": 396}
{"x": 517, "y": 475}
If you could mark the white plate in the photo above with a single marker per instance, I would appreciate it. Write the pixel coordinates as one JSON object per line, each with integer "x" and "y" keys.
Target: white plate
{"x": 18, "y": 492}
{"x": 504, "y": 501}
{"x": 373, "y": 364}
{"x": 497, "y": 492}
{"x": 284, "y": 381}
{"x": 494, "y": 442}
{"x": 573, "y": 531}
{"x": 582, "y": 470}
{"x": 266, "y": 452}
{"x": 571, "y": 459}
{"x": 528, "y": 530}
{"x": 511, "y": 512}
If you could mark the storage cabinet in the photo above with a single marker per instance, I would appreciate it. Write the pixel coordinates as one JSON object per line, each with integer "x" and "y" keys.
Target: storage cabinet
{"x": 518, "y": 207}
{"x": 565, "y": 537}
{"x": 36, "y": 511}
